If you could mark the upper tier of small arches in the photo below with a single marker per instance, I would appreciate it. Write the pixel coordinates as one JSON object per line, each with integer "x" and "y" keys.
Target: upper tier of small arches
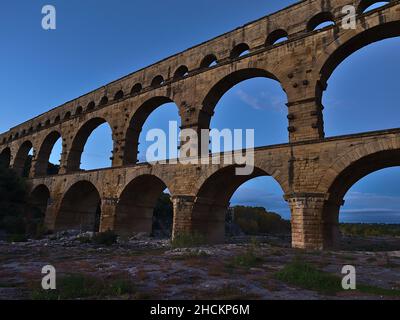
{"x": 318, "y": 22}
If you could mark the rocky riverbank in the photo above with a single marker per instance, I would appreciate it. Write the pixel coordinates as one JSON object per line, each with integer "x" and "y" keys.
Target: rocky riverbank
{"x": 243, "y": 268}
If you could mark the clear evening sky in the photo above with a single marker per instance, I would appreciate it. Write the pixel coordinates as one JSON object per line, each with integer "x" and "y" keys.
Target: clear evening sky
{"x": 98, "y": 41}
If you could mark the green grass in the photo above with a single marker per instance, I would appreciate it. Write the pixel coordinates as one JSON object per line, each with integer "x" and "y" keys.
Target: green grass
{"x": 306, "y": 276}
{"x": 78, "y": 286}
{"x": 249, "y": 259}
{"x": 188, "y": 240}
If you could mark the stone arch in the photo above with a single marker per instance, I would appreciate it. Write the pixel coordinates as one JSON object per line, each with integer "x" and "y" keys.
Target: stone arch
{"x": 348, "y": 43}
{"x": 43, "y": 156}
{"x": 318, "y": 19}
{"x": 276, "y": 36}
{"x": 137, "y": 201}
{"x": 208, "y": 60}
{"x": 136, "y": 124}
{"x": 212, "y": 200}
{"x": 136, "y": 89}
{"x": 5, "y": 158}
{"x": 239, "y": 50}
{"x": 103, "y": 101}
{"x": 157, "y": 81}
{"x": 365, "y": 4}
{"x": 22, "y": 156}
{"x": 224, "y": 85}
{"x": 358, "y": 165}
{"x": 80, "y": 208}
{"x": 91, "y": 106}
{"x": 79, "y": 141}
{"x": 119, "y": 95}
{"x": 181, "y": 72}
{"x": 78, "y": 111}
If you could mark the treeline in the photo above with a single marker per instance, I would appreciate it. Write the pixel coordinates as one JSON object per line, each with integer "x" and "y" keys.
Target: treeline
{"x": 370, "y": 230}
{"x": 18, "y": 219}
{"x": 257, "y": 220}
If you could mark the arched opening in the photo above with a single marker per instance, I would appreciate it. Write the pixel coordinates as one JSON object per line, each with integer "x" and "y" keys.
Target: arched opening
{"x": 149, "y": 123}
{"x": 240, "y": 50}
{"x": 223, "y": 191}
{"x": 208, "y": 61}
{"x": 349, "y": 178}
{"x": 51, "y": 146}
{"x": 370, "y": 5}
{"x": 144, "y": 207}
{"x": 67, "y": 116}
{"x": 320, "y": 21}
{"x": 103, "y": 101}
{"x": 23, "y": 159}
{"x": 119, "y": 95}
{"x": 363, "y": 91}
{"x": 136, "y": 89}
{"x": 91, "y": 105}
{"x": 80, "y": 208}
{"x": 181, "y": 72}
{"x": 246, "y": 99}
{"x": 5, "y": 158}
{"x": 39, "y": 199}
{"x": 78, "y": 111}
{"x": 57, "y": 119}
{"x": 157, "y": 81}
{"x": 276, "y": 37}
{"x": 94, "y": 152}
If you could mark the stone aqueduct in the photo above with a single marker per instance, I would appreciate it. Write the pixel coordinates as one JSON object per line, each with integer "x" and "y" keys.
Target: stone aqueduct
{"x": 314, "y": 172}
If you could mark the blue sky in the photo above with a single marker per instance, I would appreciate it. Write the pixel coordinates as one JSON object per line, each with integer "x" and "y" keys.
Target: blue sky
{"x": 99, "y": 41}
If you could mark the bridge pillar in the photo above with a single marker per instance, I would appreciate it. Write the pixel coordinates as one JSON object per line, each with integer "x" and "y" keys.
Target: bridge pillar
{"x": 70, "y": 161}
{"x": 183, "y": 208}
{"x": 305, "y": 119}
{"x": 53, "y": 206}
{"x": 306, "y": 218}
{"x": 108, "y": 214}
{"x": 201, "y": 216}
{"x": 331, "y": 230}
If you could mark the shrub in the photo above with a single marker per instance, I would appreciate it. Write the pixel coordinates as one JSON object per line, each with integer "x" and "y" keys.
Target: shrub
{"x": 17, "y": 238}
{"x": 107, "y": 238}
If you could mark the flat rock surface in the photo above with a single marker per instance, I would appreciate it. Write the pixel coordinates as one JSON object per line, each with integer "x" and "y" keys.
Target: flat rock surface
{"x": 161, "y": 272}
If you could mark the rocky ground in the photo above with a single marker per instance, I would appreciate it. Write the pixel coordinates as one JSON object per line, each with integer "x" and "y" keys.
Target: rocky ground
{"x": 239, "y": 269}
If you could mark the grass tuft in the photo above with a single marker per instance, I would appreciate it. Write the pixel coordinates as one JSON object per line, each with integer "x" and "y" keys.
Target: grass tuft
{"x": 78, "y": 286}
{"x": 188, "y": 240}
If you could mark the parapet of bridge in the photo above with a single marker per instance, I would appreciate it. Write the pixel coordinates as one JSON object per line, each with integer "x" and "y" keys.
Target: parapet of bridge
{"x": 314, "y": 172}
